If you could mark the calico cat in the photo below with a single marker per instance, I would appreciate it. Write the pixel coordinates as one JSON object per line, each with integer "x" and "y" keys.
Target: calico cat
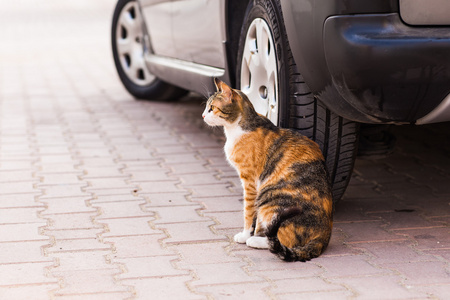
{"x": 287, "y": 194}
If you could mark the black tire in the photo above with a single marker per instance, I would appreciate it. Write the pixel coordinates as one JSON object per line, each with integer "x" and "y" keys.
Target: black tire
{"x": 136, "y": 79}
{"x": 298, "y": 108}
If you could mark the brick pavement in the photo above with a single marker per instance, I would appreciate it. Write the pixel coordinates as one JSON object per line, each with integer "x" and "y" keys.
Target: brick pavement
{"x": 105, "y": 197}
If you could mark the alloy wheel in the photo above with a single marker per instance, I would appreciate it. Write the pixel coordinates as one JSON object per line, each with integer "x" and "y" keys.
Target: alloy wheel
{"x": 130, "y": 45}
{"x": 259, "y": 73}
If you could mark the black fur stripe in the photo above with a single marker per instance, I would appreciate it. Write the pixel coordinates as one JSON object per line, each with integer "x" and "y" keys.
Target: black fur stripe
{"x": 311, "y": 176}
{"x": 274, "y": 155}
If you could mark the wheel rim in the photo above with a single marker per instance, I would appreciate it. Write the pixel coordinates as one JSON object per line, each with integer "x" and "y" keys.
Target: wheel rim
{"x": 259, "y": 73}
{"x": 129, "y": 42}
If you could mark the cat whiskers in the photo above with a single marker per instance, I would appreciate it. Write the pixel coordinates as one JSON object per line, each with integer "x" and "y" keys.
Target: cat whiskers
{"x": 205, "y": 93}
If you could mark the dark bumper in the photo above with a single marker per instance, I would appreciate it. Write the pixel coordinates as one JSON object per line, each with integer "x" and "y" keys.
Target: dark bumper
{"x": 384, "y": 69}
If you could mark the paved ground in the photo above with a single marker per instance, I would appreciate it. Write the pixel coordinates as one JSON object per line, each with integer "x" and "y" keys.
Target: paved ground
{"x": 105, "y": 197}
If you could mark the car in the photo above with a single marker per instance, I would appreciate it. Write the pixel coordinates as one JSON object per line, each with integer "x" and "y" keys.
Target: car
{"x": 322, "y": 67}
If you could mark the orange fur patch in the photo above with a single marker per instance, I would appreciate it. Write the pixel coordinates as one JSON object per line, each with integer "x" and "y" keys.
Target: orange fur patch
{"x": 328, "y": 206}
{"x": 286, "y": 235}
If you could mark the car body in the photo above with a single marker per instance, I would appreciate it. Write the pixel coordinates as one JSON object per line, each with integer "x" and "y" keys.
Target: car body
{"x": 317, "y": 66}
{"x": 369, "y": 65}
{"x": 359, "y": 57}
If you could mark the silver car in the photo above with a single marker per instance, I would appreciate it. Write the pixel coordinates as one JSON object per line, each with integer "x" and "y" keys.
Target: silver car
{"x": 322, "y": 67}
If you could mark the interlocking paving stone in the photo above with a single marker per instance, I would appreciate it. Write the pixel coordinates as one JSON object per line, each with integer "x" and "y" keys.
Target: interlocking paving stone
{"x": 310, "y": 284}
{"x": 179, "y": 214}
{"x": 138, "y": 246}
{"x": 162, "y": 288}
{"x": 21, "y": 232}
{"x": 129, "y": 227}
{"x": 167, "y": 199}
{"x": 220, "y": 204}
{"x": 65, "y": 205}
{"x": 38, "y": 292}
{"x": 385, "y": 287}
{"x": 394, "y": 252}
{"x": 77, "y": 245}
{"x": 82, "y": 260}
{"x": 21, "y": 252}
{"x": 224, "y": 273}
{"x": 88, "y": 282}
{"x": 193, "y": 232}
{"x": 208, "y": 253}
{"x": 153, "y": 266}
{"x": 318, "y": 295}
{"x": 244, "y": 291}
{"x": 19, "y": 200}
{"x": 19, "y": 215}
{"x": 28, "y": 273}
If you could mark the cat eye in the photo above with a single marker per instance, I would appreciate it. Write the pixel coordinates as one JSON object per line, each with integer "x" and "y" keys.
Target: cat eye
{"x": 211, "y": 108}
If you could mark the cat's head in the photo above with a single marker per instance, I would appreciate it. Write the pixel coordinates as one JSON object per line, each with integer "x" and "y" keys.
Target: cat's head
{"x": 227, "y": 106}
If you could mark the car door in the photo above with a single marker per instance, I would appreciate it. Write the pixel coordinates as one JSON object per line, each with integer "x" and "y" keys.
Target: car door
{"x": 158, "y": 22}
{"x": 199, "y": 32}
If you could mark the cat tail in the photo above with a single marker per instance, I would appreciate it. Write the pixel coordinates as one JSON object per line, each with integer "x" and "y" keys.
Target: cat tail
{"x": 300, "y": 253}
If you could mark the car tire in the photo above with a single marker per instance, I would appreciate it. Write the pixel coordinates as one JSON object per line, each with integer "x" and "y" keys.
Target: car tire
{"x": 295, "y": 105}
{"x": 127, "y": 37}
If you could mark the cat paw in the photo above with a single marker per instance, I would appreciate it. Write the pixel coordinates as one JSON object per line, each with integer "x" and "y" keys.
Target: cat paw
{"x": 260, "y": 242}
{"x": 242, "y": 237}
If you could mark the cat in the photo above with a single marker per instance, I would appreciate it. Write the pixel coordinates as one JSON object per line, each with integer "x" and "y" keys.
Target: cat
{"x": 288, "y": 205}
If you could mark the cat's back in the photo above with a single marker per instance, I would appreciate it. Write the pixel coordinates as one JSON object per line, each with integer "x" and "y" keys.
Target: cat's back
{"x": 294, "y": 147}
{"x": 309, "y": 150}
{"x": 266, "y": 148}
{"x": 295, "y": 161}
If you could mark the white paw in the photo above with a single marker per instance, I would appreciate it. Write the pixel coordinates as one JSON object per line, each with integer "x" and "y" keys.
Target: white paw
{"x": 260, "y": 242}
{"x": 242, "y": 237}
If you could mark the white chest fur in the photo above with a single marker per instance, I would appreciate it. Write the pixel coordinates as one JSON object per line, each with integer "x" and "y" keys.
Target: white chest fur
{"x": 233, "y": 135}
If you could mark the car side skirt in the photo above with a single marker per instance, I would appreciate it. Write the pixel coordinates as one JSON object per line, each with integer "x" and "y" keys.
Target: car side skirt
{"x": 188, "y": 75}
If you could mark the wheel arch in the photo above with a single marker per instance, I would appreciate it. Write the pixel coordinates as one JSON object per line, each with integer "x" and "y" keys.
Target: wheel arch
{"x": 235, "y": 13}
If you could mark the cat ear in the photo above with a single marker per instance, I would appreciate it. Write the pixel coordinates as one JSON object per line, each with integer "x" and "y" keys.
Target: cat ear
{"x": 223, "y": 88}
